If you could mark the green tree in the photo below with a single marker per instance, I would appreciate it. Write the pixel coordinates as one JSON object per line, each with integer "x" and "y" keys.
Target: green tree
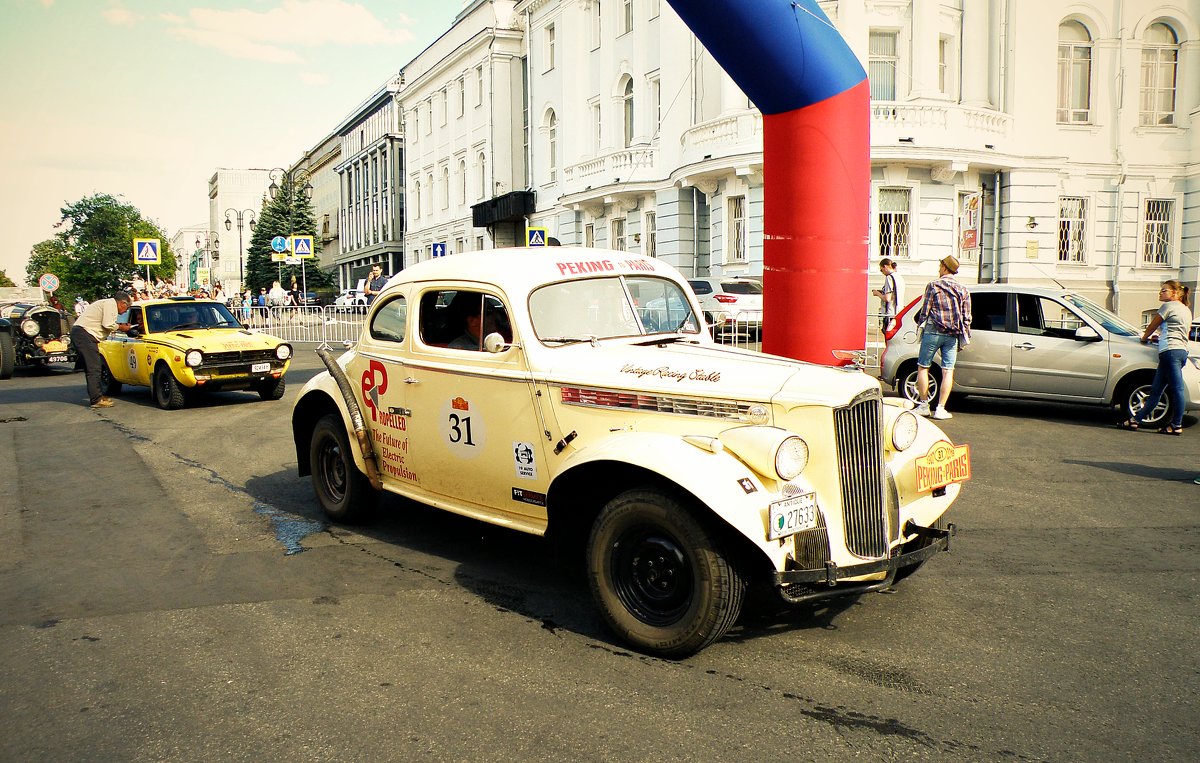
{"x": 92, "y": 254}
{"x": 5, "y": 280}
{"x": 288, "y": 213}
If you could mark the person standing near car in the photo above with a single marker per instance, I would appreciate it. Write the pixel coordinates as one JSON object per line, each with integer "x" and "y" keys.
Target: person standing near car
{"x": 891, "y": 296}
{"x": 945, "y": 315}
{"x": 1173, "y": 318}
{"x": 375, "y": 283}
{"x": 98, "y": 320}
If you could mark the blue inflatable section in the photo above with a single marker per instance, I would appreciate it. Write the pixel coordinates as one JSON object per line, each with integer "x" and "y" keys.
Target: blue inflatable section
{"x": 784, "y": 54}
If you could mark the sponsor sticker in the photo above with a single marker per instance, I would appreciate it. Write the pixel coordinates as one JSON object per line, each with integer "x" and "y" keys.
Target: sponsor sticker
{"x": 528, "y": 496}
{"x": 524, "y": 461}
{"x": 943, "y": 464}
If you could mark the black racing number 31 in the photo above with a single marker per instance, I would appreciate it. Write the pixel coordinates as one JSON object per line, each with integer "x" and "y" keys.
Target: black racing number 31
{"x": 460, "y": 429}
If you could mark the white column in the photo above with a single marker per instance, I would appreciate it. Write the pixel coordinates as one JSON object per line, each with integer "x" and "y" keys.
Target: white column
{"x": 976, "y": 53}
{"x": 924, "y": 50}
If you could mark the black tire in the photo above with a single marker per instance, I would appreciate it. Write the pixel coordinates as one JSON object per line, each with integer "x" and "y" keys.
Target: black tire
{"x": 167, "y": 392}
{"x": 8, "y": 354}
{"x": 345, "y": 493}
{"x": 906, "y": 383}
{"x": 660, "y": 579}
{"x": 271, "y": 389}
{"x": 108, "y": 384}
{"x": 1133, "y": 397}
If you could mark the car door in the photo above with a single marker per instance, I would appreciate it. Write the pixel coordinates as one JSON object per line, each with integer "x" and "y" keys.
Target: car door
{"x": 125, "y": 354}
{"x": 985, "y": 364}
{"x": 1048, "y": 361}
{"x": 479, "y": 443}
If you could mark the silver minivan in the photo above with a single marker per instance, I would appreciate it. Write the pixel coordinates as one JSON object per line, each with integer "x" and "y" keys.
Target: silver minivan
{"x": 1042, "y": 343}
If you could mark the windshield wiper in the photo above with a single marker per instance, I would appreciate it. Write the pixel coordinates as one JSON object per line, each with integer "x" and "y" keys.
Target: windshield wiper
{"x": 192, "y": 325}
{"x": 572, "y": 339}
{"x": 666, "y": 339}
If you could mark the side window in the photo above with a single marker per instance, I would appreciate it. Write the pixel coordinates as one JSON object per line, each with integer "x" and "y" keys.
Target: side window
{"x": 390, "y": 320}
{"x": 136, "y": 320}
{"x": 1041, "y": 316}
{"x": 988, "y": 310}
{"x": 459, "y": 320}
{"x": 701, "y": 287}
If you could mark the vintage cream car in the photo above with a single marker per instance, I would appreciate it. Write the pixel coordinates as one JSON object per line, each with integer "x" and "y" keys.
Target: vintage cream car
{"x": 575, "y": 393}
{"x": 182, "y": 345}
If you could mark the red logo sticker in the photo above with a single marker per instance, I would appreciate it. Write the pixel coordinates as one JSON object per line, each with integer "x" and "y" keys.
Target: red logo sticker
{"x": 374, "y": 384}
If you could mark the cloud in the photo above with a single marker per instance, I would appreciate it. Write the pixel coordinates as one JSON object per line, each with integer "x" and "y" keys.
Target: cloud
{"x": 282, "y": 34}
{"x": 120, "y": 16}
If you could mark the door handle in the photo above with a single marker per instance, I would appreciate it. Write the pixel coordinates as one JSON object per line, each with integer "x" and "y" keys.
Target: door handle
{"x": 1025, "y": 346}
{"x": 410, "y": 380}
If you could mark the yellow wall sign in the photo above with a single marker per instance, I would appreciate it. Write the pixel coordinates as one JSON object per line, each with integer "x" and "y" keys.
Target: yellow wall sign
{"x": 147, "y": 251}
{"x": 302, "y": 247}
{"x": 943, "y": 464}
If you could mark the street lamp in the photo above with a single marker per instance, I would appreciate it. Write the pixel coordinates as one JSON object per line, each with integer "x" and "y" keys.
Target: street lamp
{"x": 291, "y": 178}
{"x": 211, "y": 247}
{"x": 241, "y": 256}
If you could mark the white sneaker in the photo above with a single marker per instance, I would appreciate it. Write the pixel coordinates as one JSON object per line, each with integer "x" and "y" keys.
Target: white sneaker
{"x": 941, "y": 413}
{"x": 922, "y": 409}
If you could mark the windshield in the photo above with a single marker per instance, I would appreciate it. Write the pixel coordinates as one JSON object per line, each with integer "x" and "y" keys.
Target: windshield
{"x": 1109, "y": 321}
{"x": 189, "y": 315}
{"x": 602, "y": 308}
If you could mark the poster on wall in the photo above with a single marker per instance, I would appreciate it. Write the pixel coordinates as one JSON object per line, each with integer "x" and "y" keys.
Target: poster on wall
{"x": 970, "y": 220}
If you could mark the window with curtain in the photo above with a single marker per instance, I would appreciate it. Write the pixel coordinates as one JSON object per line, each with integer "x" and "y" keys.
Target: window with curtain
{"x": 894, "y": 229}
{"x": 552, "y": 145}
{"x": 618, "y": 234}
{"x": 627, "y": 111}
{"x": 1156, "y": 234}
{"x": 589, "y": 234}
{"x": 650, "y": 233}
{"x": 882, "y": 61}
{"x": 738, "y": 228}
{"x": 1072, "y": 229}
{"x": 1074, "y": 74}
{"x": 1160, "y": 59}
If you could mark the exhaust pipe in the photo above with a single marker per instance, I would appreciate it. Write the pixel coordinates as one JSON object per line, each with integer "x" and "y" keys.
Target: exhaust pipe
{"x": 356, "y": 417}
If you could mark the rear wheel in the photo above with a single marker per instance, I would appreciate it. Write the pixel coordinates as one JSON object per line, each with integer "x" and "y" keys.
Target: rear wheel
{"x": 345, "y": 493}
{"x": 167, "y": 392}
{"x": 660, "y": 579}
{"x": 271, "y": 389}
{"x": 108, "y": 384}
{"x": 1133, "y": 399}
{"x": 8, "y": 355}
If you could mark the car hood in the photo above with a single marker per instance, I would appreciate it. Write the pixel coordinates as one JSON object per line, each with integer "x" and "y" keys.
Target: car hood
{"x": 705, "y": 370}
{"x": 215, "y": 340}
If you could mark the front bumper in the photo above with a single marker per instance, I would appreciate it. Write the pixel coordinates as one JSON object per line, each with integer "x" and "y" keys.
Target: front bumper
{"x": 235, "y": 375}
{"x": 936, "y": 540}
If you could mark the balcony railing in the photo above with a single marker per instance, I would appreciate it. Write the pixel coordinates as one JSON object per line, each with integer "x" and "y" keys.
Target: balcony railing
{"x": 618, "y": 164}
{"x": 723, "y": 136}
{"x": 938, "y": 116}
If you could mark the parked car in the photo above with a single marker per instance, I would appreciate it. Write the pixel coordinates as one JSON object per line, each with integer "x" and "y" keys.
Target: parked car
{"x": 1042, "y": 343}
{"x": 1194, "y": 332}
{"x": 35, "y": 335}
{"x": 180, "y": 346}
{"x": 595, "y": 408}
{"x": 350, "y": 298}
{"x": 731, "y": 304}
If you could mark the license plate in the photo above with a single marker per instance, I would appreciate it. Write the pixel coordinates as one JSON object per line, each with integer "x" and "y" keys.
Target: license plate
{"x": 792, "y": 515}
{"x": 259, "y": 368}
{"x": 57, "y": 359}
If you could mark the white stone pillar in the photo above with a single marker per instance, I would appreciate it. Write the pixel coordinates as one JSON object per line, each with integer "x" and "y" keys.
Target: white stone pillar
{"x": 976, "y": 53}
{"x": 924, "y": 49}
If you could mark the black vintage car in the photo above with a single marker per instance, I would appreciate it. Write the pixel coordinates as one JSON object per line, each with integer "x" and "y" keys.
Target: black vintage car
{"x": 34, "y": 335}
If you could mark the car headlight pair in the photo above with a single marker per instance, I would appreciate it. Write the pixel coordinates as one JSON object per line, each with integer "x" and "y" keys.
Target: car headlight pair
{"x": 283, "y": 351}
{"x": 768, "y": 450}
{"x": 30, "y": 327}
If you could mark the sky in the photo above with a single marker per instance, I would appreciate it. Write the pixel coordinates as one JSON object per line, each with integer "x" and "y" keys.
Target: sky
{"x": 145, "y": 99}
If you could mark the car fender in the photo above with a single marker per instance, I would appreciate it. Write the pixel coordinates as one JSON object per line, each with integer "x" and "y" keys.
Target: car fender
{"x": 318, "y": 397}
{"x": 719, "y": 481}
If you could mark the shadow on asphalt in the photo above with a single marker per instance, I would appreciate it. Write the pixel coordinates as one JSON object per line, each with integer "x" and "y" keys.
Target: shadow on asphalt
{"x": 1148, "y": 471}
{"x": 1038, "y": 410}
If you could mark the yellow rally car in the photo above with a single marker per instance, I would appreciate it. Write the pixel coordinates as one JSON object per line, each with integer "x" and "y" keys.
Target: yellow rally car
{"x": 577, "y": 393}
{"x": 182, "y": 345}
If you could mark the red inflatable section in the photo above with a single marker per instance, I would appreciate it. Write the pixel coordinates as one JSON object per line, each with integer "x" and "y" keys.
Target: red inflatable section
{"x": 817, "y": 184}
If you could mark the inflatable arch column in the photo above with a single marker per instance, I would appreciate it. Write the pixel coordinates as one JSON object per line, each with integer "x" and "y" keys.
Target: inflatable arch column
{"x": 815, "y": 100}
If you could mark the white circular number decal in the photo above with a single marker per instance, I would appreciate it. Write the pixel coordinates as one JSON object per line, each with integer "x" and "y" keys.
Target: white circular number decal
{"x": 463, "y": 428}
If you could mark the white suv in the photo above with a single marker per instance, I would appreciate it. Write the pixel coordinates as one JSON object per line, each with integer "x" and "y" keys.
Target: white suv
{"x": 731, "y": 304}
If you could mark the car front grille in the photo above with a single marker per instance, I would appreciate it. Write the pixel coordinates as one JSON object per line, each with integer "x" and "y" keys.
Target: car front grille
{"x": 51, "y": 325}
{"x": 858, "y": 428}
{"x": 238, "y": 357}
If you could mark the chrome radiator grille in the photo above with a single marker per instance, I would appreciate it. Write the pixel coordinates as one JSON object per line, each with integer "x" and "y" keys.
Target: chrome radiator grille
{"x": 859, "y": 431}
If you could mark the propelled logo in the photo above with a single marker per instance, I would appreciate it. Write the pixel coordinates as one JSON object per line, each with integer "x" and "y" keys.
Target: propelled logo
{"x": 374, "y": 384}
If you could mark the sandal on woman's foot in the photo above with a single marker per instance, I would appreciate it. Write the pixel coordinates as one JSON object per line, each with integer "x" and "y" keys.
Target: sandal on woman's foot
{"x": 1171, "y": 429}
{"x": 1129, "y": 424}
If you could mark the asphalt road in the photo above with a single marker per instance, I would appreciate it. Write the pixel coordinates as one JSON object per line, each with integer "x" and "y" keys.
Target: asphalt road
{"x": 169, "y": 591}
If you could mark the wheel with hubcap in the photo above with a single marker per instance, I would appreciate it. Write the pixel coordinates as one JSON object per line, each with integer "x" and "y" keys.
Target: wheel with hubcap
{"x": 345, "y": 493}
{"x": 1134, "y": 400}
{"x": 660, "y": 578}
{"x": 167, "y": 392}
{"x": 908, "y": 384}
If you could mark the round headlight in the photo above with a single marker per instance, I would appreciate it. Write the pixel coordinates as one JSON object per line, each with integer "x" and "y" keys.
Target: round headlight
{"x": 904, "y": 431}
{"x": 194, "y": 358}
{"x": 39, "y": 341}
{"x": 30, "y": 327}
{"x": 791, "y": 458}
{"x": 283, "y": 351}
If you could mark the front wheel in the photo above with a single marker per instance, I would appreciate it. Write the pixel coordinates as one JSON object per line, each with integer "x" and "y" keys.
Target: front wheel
{"x": 8, "y": 354}
{"x": 271, "y": 389}
{"x": 345, "y": 493}
{"x": 660, "y": 579}
{"x": 167, "y": 392}
{"x": 1133, "y": 400}
{"x": 108, "y": 384}
{"x": 907, "y": 385}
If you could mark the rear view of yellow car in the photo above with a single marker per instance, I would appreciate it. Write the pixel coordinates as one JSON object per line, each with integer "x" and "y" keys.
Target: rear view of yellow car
{"x": 180, "y": 346}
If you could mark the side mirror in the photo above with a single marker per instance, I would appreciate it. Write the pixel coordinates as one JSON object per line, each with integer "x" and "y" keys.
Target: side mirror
{"x": 495, "y": 343}
{"x": 133, "y": 332}
{"x": 1086, "y": 334}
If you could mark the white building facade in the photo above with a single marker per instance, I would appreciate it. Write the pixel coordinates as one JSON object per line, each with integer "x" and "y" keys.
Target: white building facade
{"x": 230, "y": 191}
{"x": 1051, "y": 144}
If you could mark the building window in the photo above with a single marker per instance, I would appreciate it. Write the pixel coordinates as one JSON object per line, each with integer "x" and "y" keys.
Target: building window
{"x": 462, "y": 95}
{"x": 738, "y": 229}
{"x": 618, "y": 234}
{"x": 654, "y": 8}
{"x": 1156, "y": 245}
{"x": 445, "y": 186}
{"x": 1160, "y": 58}
{"x": 479, "y": 85}
{"x": 1072, "y": 229}
{"x": 549, "y": 47}
{"x": 429, "y": 191}
{"x": 462, "y": 181}
{"x": 594, "y": 107}
{"x": 627, "y": 111}
{"x": 589, "y": 234}
{"x": 944, "y": 66}
{"x": 552, "y": 145}
{"x": 882, "y": 63}
{"x": 429, "y": 116}
{"x": 596, "y": 31}
{"x": 483, "y": 181}
{"x": 1074, "y": 74}
{"x": 460, "y": 245}
{"x": 479, "y": 243}
{"x": 655, "y": 107}
{"x": 443, "y": 105}
{"x": 626, "y": 16}
{"x": 650, "y": 233}
{"x": 894, "y": 205}
{"x": 416, "y": 198}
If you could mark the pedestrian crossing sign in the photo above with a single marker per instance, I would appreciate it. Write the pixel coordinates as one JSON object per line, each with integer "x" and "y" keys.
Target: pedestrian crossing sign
{"x": 535, "y": 236}
{"x": 302, "y": 247}
{"x": 146, "y": 251}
